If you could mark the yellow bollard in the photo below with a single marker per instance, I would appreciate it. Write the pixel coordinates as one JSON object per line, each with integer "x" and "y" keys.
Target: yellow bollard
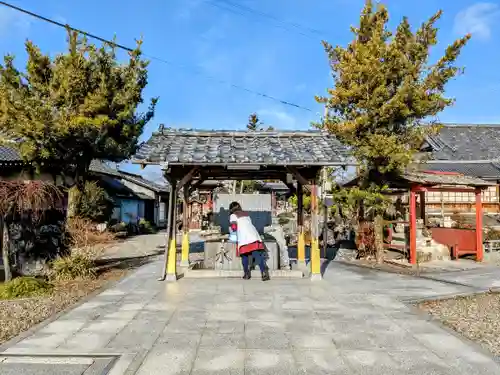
{"x": 172, "y": 261}
{"x": 301, "y": 249}
{"x": 185, "y": 250}
{"x": 315, "y": 259}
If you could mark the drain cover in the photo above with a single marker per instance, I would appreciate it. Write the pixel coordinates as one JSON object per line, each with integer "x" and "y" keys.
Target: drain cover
{"x": 55, "y": 365}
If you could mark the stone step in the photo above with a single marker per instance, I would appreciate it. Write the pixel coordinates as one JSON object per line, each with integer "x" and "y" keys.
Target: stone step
{"x": 279, "y": 274}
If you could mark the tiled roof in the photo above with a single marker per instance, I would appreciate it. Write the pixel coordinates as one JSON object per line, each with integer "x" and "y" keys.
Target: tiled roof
{"x": 98, "y": 166}
{"x": 444, "y": 179}
{"x": 9, "y": 154}
{"x": 466, "y": 142}
{"x": 429, "y": 179}
{"x": 273, "y": 186}
{"x": 486, "y": 170}
{"x": 139, "y": 180}
{"x": 201, "y": 147}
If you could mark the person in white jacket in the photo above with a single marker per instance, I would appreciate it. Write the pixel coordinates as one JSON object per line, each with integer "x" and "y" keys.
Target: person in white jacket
{"x": 249, "y": 244}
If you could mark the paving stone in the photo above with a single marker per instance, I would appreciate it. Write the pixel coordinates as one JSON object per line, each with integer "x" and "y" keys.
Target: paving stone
{"x": 215, "y": 326}
{"x": 421, "y": 362}
{"x": 443, "y": 344}
{"x": 41, "y": 341}
{"x": 188, "y": 325}
{"x": 184, "y": 340}
{"x": 137, "y": 335}
{"x": 229, "y": 316}
{"x": 262, "y": 340}
{"x": 166, "y": 361}
{"x": 351, "y": 323}
{"x": 223, "y": 361}
{"x": 270, "y": 362}
{"x": 65, "y": 327}
{"x": 321, "y": 362}
{"x": 311, "y": 341}
{"x": 218, "y": 340}
{"x": 371, "y": 362}
{"x": 86, "y": 341}
{"x": 120, "y": 315}
{"x": 354, "y": 341}
{"x": 106, "y": 326}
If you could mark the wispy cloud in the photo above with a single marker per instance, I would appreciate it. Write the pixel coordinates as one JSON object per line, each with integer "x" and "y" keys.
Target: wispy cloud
{"x": 12, "y": 21}
{"x": 477, "y": 19}
{"x": 279, "y": 119}
{"x": 187, "y": 9}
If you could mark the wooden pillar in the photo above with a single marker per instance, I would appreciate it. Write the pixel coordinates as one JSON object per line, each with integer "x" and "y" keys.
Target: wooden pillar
{"x": 301, "y": 243}
{"x": 172, "y": 246}
{"x": 423, "y": 216}
{"x": 413, "y": 227}
{"x": 168, "y": 229}
{"x": 185, "y": 228}
{"x": 315, "y": 251}
{"x": 479, "y": 226}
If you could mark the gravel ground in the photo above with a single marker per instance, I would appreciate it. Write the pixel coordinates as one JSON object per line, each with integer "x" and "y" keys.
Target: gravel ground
{"x": 19, "y": 315}
{"x": 475, "y": 317}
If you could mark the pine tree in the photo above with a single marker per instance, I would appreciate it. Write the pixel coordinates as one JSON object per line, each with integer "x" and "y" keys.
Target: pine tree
{"x": 75, "y": 107}
{"x": 385, "y": 88}
{"x": 254, "y": 124}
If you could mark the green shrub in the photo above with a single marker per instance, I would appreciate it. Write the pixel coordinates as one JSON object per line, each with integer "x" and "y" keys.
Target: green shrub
{"x": 94, "y": 203}
{"x": 75, "y": 266}
{"x": 119, "y": 227}
{"x": 25, "y": 287}
{"x": 146, "y": 227}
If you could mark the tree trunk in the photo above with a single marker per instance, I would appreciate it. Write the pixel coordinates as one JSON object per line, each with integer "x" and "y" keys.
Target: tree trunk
{"x": 73, "y": 194}
{"x": 4, "y": 243}
{"x": 378, "y": 229}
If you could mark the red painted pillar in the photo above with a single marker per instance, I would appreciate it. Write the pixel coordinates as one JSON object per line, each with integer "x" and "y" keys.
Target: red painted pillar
{"x": 479, "y": 226}
{"x": 413, "y": 227}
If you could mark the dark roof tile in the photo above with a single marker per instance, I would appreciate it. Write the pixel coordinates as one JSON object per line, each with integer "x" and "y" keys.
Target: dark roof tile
{"x": 466, "y": 142}
{"x": 487, "y": 171}
{"x": 198, "y": 147}
{"x": 9, "y": 154}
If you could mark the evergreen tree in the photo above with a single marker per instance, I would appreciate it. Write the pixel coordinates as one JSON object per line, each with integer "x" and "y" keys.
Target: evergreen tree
{"x": 385, "y": 88}
{"x": 254, "y": 124}
{"x": 75, "y": 107}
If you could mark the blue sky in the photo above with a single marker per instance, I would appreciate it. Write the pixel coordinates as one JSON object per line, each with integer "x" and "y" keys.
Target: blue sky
{"x": 209, "y": 41}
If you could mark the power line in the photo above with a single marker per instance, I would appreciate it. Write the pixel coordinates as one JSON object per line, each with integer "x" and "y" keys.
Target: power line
{"x": 128, "y": 49}
{"x": 227, "y": 7}
{"x": 278, "y": 20}
{"x": 231, "y": 6}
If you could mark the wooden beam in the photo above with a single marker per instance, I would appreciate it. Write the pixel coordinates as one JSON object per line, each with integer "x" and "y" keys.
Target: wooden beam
{"x": 187, "y": 178}
{"x": 298, "y": 176}
{"x": 419, "y": 189}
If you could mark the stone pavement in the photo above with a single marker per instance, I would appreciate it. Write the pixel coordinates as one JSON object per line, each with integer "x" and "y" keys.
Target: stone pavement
{"x": 481, "y": 278}
{"x": 352, "y": 322}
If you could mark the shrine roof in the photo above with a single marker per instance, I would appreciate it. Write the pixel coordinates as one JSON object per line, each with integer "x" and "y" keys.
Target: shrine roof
{"x": 223, "y": 148}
